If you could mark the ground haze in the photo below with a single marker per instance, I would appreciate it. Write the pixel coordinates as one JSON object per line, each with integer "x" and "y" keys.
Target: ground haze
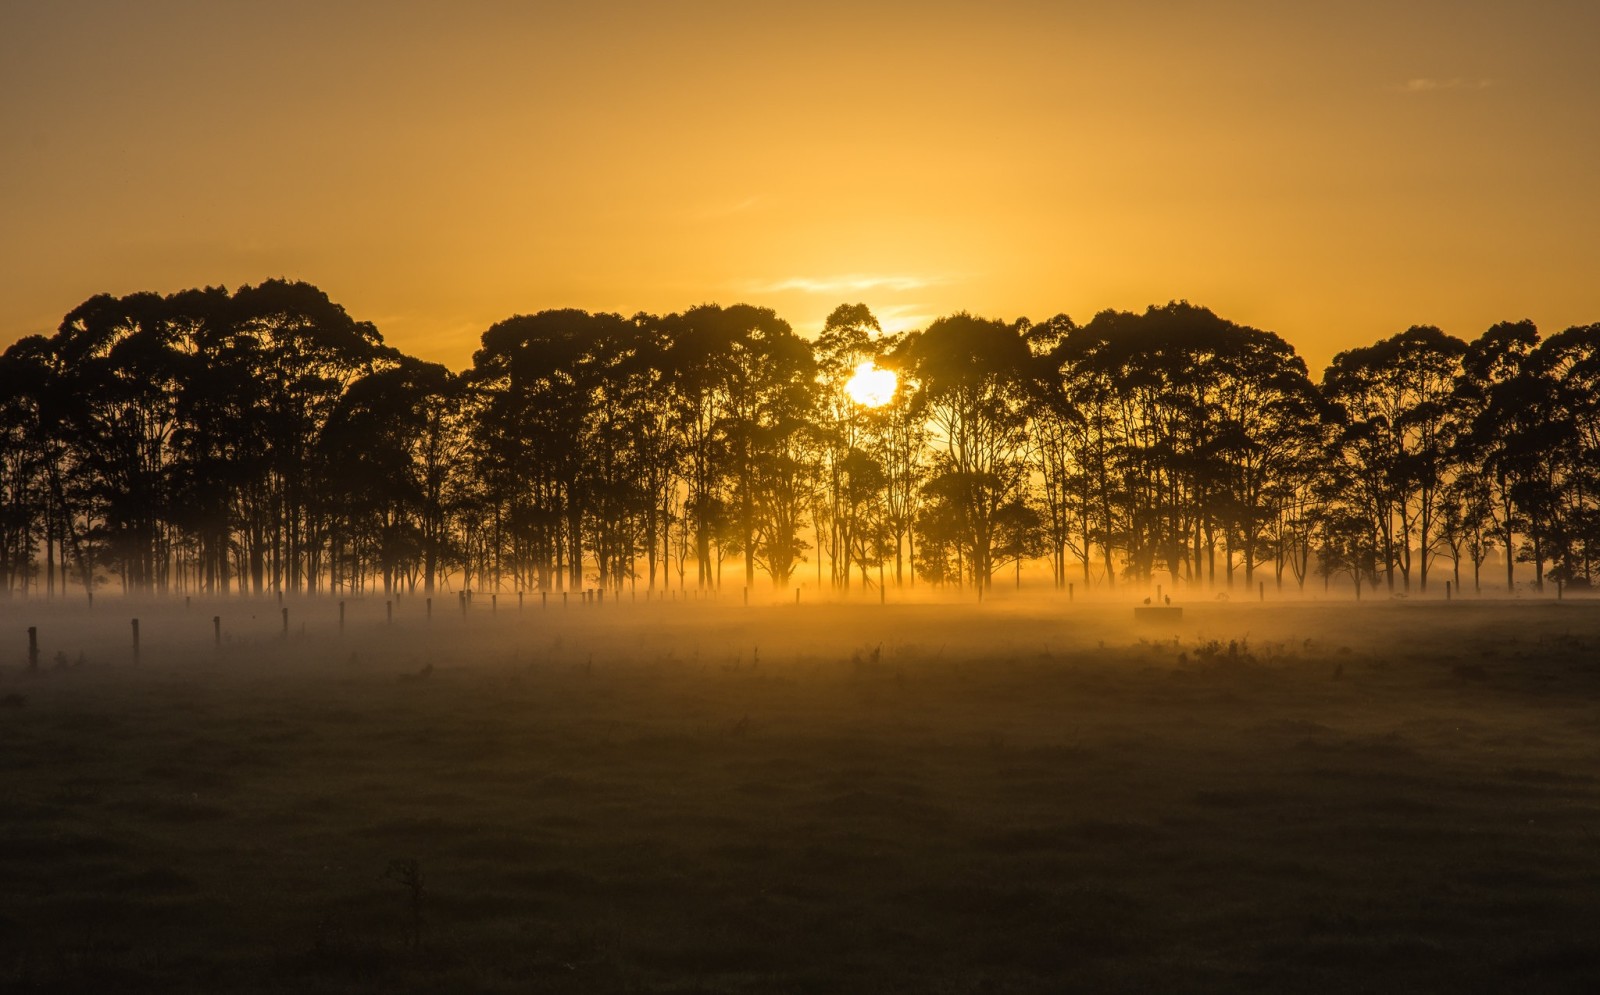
{"x": 706, "y": 797}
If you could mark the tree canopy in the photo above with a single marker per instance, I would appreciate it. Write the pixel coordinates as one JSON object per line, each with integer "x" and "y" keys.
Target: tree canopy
{"x": 264, "y": 440}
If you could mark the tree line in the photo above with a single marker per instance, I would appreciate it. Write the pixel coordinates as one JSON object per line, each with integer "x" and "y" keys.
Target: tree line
{"x": 263, "y": 440}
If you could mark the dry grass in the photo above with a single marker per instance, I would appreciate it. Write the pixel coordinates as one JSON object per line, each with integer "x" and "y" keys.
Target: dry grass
{"x": 916, "y": 799}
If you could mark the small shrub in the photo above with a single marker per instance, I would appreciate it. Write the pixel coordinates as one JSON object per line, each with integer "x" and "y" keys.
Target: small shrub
{"x": 1234, "y": 651}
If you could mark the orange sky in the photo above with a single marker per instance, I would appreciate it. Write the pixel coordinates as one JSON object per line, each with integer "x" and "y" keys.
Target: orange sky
{"x": 1333, "y": 172}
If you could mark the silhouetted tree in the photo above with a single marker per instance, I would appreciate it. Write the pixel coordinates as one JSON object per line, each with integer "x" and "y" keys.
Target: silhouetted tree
{"x": 1561, "y": 475}
{"x": 264, "y": 439}
{"x": 848, "y": 339}
{"x": 384, "y": 451}
{"x": 972, "y": 374}
{"x": 306, "y": 353}
{"x": 899, "y": 439}
{"x": 1056, "y": 447}
{"x": 24, "y": 501}
{"x": 1398, "y": 435}
{"x": 1498, "y": 393}
{"x": 540, "y": 375}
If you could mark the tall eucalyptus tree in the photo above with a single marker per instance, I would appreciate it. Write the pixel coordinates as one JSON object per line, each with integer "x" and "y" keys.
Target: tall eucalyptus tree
{"x": 1399, "y": 425}
{"x": 1499, "y": 395}
{"x": 972, "y": 374}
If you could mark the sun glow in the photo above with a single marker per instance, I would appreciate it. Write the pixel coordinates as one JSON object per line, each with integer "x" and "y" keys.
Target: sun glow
{"x": 871, "y": 387}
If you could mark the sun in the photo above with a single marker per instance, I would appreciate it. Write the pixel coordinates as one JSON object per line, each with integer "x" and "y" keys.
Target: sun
{"x": 871, "y": 387}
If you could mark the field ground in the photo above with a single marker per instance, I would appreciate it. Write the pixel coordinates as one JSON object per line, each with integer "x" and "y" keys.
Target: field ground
{"x": 693, "y": 798}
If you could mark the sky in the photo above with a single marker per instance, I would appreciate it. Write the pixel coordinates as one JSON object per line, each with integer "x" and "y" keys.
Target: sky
{"x": 1333, "y": 172}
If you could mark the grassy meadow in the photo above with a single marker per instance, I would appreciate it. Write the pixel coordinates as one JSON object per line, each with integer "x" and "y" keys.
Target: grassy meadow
{"x": 1009, "y": 797}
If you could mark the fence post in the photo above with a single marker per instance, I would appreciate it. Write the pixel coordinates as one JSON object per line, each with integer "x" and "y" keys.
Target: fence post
{"x": 216, "y": 630}
{"x": 33, "y": 648}
{"x": 135, "y": 640}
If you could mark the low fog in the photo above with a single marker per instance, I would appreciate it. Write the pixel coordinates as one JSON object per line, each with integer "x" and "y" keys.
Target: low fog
{"x": 775, "y": 628}
{"x": 912, "y": 795}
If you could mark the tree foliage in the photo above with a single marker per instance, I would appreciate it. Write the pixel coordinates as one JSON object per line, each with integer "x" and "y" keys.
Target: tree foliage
{"x": 263, "y": 440}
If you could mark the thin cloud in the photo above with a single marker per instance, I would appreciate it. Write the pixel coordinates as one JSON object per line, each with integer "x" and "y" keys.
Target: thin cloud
{"x": 852, "y": 283}
{"x": 1429, "y": 84}
{"x": 903, "y": 317}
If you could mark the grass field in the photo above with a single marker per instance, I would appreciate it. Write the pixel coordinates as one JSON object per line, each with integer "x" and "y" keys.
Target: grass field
{"x": 935, "y": 798}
